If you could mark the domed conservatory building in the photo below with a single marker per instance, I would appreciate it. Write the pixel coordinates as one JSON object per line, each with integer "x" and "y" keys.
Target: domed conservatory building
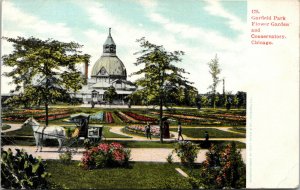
{"x": 107, "y": 71}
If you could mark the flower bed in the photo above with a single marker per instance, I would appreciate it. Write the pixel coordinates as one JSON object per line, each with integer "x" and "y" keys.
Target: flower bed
{"x": 22, "y": 115}
{"x": 106, "y": 155}
{"x": 230, "y": 117}
{"x": 125, "y": 118}
{"x": 108, "y": 117}
{"x": 53, "y": 117}
{"x": 141, "y": 117}
{"x": 139, "y": 129}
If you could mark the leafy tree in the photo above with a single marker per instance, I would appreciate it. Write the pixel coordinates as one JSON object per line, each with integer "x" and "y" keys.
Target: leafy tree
{"x": 158, "y": 72}
{"x": 235, "y": 101}
{"x": 190, "y": 95}
{"x": 110, "y": 94}
{"x": 214, "y": 70}
{"x": 44, "y": 71}
{"x": 204, "y": 101}
{"x": 241, "y": 99}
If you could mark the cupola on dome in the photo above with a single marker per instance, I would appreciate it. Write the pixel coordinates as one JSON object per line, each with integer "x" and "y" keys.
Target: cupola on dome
{"x": 109, "y": 64}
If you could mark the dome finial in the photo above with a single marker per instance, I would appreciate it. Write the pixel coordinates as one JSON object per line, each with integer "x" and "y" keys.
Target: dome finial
{"x": 109, "y": 32}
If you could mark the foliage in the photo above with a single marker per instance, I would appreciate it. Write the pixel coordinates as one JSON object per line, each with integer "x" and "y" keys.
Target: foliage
{"x": 66, "y": 157}
{"x": 106, "y": 155}
{"x": 204, "y": 101}
{"x": 242, "y": 98}
{"x": 170, "y": 158}
{"x": 223, "y": 168}
{"x": 110, "y": 94}
{"x": 187, "y": 152}
{"x": 5, "y": 127}
{"x": 22, "y": 171}
{"x": 159, "y": 74}
{"x": 46, "y": 69}
{"x": 214, "y": 70}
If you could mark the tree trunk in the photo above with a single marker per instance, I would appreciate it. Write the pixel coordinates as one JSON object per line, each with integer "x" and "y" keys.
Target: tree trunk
{"x": 47, "y": 114}
{"x": 160, "y": 119}
{"x": 161, "y": 107}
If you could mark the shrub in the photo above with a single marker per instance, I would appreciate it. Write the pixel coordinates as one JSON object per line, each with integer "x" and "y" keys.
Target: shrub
{"x": 5, "y": 127}
{"x": 170, "y": 158}
{"x": 223, "y": 168}
{"x": 187, "y": 152}
{"x": 106, "y": 155}
{"x": 22, "y": 171}
{"x": 66, "y": 157}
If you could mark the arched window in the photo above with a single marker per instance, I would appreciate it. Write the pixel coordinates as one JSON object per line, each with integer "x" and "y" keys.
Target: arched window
{"x": 102, "y": 71}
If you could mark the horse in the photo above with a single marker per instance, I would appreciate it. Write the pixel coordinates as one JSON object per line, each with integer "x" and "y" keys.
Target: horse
{"x": 50, "y": 132}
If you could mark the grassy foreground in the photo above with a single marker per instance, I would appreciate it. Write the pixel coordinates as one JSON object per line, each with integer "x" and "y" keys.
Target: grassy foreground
{"x": 138, "y": 176}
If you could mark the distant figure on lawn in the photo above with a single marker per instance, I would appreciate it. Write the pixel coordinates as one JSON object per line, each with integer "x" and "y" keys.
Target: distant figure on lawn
{"x": 179, "y": 131}
{"x": 206, "y": 136}
{"x": 148, "y": 130}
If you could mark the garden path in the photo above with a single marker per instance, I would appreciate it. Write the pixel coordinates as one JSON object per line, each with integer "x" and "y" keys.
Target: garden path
{"x": 137, "y": 154}
{"x": 118, "y": 130}
{"x": 14, "y": 126}
{"x": 226, "y": 129}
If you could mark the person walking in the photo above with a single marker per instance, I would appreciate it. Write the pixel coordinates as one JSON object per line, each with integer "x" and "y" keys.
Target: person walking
{"x": 206, "y": 136}
{"x": 179, "y": 131}
{"x": 148, "y": 130}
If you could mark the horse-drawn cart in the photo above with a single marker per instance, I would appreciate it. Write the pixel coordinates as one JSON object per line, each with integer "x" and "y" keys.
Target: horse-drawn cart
{"x": 81, "y": 121}
{"x": 82, "y": 132}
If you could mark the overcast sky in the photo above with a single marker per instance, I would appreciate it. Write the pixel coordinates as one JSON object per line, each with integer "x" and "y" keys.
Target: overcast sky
{"x": 200, "y": 28}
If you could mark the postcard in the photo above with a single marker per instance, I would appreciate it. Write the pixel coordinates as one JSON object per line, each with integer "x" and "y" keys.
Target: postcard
{"x": 131, "y": 94}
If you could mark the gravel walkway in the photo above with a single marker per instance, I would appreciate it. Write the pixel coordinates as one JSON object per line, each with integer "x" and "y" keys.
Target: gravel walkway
{"x": 137, "y": 154}
{"x": 14, "y": 126}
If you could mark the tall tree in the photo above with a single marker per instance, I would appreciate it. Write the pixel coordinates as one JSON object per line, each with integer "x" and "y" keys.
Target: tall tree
{"x": 214, "y": 70}
{"x": 110, "y": 94}
{"x": 44, "y": 71}
{"x": 159, "y": 72}
{"x": 242, "y": 98}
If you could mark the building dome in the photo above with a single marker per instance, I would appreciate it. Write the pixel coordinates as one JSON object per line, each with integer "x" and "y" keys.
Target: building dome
{"x": 109, "y": 64}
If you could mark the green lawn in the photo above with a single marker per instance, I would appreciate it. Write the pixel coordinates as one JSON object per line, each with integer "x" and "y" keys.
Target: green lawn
{"x": 24, "y": 131}
{"x": 138, "y": 176}
{"x": 108, "y": 134}
{"x": 238, "y": 129}
{"x": 213, "y": 133}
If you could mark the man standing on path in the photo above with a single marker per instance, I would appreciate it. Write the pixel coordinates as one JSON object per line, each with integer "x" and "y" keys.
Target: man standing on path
{"x": 148, "y": 130}
{"x": 206, "y": 136}
{"x": 179, "y": 131}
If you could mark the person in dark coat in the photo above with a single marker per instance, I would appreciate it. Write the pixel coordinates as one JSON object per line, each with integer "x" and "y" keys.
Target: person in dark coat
{"x": 179, "y": 131}
{"x": 148, "y": 130}
{"x": 206, "y": 136}
{"x": 166, "y": 129}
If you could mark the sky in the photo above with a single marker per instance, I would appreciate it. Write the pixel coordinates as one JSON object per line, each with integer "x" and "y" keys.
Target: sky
{"x": 200, "y": 28}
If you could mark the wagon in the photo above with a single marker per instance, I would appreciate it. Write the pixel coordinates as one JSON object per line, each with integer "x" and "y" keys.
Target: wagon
{"x": 83, "y": 130}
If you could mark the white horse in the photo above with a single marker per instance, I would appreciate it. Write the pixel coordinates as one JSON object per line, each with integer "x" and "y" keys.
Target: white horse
{"x": 50, "y": 132}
